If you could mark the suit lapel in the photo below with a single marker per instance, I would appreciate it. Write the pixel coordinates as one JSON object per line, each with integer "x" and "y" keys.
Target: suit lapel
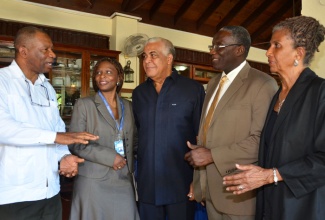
{"x": 231, "y": 91}
{"x": 103, "y": 111}
{"x": 211, "y": 88}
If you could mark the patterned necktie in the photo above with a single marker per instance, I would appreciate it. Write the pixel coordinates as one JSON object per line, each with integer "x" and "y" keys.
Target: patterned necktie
{"x": 209, "y": 115}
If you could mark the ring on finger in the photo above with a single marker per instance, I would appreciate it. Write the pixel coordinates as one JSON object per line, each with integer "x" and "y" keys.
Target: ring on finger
{"x": 119, "y": 167}
{"x": 240, "y": 187}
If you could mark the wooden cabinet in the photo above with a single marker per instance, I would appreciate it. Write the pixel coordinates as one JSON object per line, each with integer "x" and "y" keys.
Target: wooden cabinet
{"x": 200, "y": 73}
{"x": 204, "y": 73}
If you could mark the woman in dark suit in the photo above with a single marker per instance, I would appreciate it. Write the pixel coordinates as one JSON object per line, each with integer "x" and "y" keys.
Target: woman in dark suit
{"x": 104, "y": 190}
{"x": 290, "y": 176}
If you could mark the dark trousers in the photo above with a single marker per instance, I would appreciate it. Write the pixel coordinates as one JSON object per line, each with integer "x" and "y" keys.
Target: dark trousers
{"x": 45, "y": 209}
{"x": 178, "y": 211}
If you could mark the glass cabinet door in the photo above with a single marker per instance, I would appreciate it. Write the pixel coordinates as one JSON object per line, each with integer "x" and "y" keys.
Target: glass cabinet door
{"x": 93, "y": 60}
{"x": 7, "y": 53}
{"x": 183, "y": 69}
{"x": 66, "y": 80}
{"x": 203, "y": 73}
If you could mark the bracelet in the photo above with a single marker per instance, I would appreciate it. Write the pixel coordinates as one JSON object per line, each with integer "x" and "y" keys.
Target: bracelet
{"x": 275, "y": 178}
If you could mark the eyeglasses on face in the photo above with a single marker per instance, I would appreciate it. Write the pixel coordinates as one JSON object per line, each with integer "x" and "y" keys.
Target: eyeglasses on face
{"x": 217, "y": 47}
{"x": 31, "y": 99}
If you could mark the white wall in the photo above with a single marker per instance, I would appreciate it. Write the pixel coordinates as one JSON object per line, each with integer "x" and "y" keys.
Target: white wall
{"x": 192, "y": 41}
{"x": 316, "y": 9}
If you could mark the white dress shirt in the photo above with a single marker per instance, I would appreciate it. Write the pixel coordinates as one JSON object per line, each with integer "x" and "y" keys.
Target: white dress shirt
{"x": 28, "y": 155}
{"x": 231, "y": 76}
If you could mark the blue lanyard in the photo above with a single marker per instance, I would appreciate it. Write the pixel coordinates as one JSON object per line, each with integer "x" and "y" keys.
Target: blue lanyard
{"x": 119, "y": 128}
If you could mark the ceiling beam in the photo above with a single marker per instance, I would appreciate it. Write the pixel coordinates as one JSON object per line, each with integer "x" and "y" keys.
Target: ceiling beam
{"x": 155, "y": 8}
{"x": 125, "y": 4}
{"x": 296, "y": 8}
{"x": 132, "y": 5}
{"x": 207, "y": 13}
{"x": 256, "y": 13}
{"x": 91, "y": 3}
{"x": 231, "y": 14}
{"x": 185, "y": 6}
{"x": 274, "y": 18}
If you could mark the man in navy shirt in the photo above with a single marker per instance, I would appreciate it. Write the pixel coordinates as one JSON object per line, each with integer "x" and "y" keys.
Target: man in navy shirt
{"x": 167, "y": 109}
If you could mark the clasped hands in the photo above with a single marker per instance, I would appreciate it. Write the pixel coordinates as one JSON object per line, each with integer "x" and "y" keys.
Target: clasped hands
{"x": 69, "y": 165}
{"x": 119, "y": 162}
{"x": 250, "y": 178}
{"x": 198, "y": 156}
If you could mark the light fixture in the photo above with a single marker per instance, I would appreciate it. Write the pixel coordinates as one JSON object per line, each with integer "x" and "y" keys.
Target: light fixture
{"x": 180, "y": 67}
{"x": 128, "y": 72}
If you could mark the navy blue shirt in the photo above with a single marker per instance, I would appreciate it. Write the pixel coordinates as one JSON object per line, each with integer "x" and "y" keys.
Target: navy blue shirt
{"x": 165, "y": 121}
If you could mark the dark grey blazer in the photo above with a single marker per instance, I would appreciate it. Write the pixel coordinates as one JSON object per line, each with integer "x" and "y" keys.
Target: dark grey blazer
{"x": 91, "y": 115}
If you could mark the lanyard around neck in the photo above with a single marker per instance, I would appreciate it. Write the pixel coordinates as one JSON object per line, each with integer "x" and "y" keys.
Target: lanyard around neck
{"x": 119, "y": 127}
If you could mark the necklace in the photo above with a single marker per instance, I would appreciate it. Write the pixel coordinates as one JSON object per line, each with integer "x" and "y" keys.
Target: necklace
{"x": 280, "y": 105}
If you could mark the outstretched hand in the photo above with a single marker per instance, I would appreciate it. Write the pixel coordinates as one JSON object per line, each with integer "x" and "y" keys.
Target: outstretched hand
{"x": 251, "y": 178}
{"x": 74, "y": 138}
{"x": 69, "y": 165}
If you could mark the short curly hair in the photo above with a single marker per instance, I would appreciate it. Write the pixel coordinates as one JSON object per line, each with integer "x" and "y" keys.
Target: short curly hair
{"x": 117, "y": 65}
{"x": 306, "y": 32}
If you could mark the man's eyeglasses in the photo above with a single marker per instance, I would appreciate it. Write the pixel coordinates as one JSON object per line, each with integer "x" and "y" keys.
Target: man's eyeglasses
{"x": 216, "y": 47}
{"x": 34, "y": 103}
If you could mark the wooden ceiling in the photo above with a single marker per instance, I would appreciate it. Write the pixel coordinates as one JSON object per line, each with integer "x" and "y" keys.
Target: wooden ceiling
{"x": 202, "y": 17}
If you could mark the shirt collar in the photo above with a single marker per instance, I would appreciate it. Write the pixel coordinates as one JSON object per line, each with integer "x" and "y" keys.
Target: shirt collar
{"x": 174, "y": 75}
{"x": 18, "y": 73}
{"x": 232, "y": 74}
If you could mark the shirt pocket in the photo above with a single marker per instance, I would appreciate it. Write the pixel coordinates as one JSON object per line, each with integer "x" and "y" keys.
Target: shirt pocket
{"x": 180, "y": 110}
{"x": 15, "y": 105}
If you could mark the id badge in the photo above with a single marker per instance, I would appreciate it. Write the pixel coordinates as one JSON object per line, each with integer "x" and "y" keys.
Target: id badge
{"x": 119, "y": 147}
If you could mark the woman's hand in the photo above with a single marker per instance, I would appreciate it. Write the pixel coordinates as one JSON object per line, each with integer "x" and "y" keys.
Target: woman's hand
{"x": 251, "y": 178}
{"x": 119, "y": 162}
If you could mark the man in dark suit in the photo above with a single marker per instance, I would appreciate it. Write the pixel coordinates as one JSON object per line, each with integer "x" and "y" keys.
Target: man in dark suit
{"x": 167, "y": 109}
{"x": 231, "y": 134}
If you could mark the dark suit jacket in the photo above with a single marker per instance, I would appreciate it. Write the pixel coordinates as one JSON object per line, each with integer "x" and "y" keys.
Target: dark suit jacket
{"x": 233, "y": 136}
{"x": 297, "y": 149}
{"x": 94, "y": 118}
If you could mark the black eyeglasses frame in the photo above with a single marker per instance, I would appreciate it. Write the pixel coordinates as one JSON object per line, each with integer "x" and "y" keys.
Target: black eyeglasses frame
{"x": 216, "y": 47}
